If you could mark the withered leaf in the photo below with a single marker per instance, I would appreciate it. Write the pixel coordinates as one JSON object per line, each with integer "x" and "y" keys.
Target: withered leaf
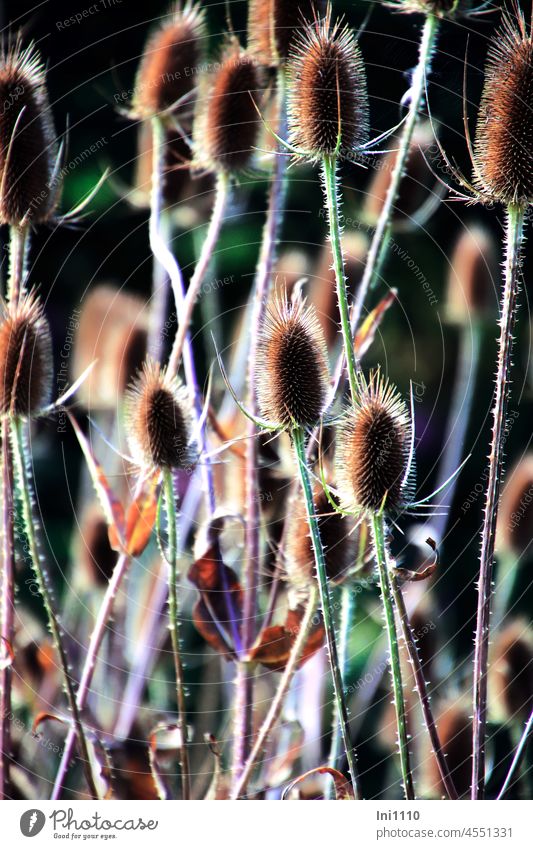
{"x": 274, "y": 645}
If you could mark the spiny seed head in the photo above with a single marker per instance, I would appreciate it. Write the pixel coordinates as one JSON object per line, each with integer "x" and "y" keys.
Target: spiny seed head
{"x": 272, "y": 25}
{"x": 515, "y": 517}
{"x": 170, "y": 61}
{"x": 372, "y": 450}
{"x": 158, "y": 420}
{"x": 339, "y": 541}
{"x": 29, "y": 189}
{"x": 503, "y": 150}
{"x": 227, "y": 124}
{"x": 292, "y": 370}
{"x": 327, "y": 91}
{"x": 472, "y": 276}
{"x": 511, "y": 671}
{"x": 25, "y": 358}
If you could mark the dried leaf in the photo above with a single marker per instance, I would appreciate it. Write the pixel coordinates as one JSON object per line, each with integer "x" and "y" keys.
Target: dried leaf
{"x": 44, "y": 716}
{"x": 343, "y": 788}
{"x": 140, "y": 518}
{"x": 274, "y": 644}
{"x": 367, "y": 332}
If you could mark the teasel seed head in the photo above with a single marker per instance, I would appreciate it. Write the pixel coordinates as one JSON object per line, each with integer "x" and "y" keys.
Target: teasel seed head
{"x": 272, "y": 25}
{"x": 227, "y": 124}
{"x": 292, "y": 365}
{"x": 372, "y": 450}
{"x": 158, "y": 419}
{"x": 503, "y": 149}
{"x": 25, "y": 358}
{"x": 471, "y": 280}
{"x": 511, "y": 671}
{"x": 29, "y": 189}
{"x": 170, "y": 63}
{"x": 339, "y": 541}
{"x": 515, "y": 517}
{"x": 455, "y": 731}
{"x": 327, "y": 91}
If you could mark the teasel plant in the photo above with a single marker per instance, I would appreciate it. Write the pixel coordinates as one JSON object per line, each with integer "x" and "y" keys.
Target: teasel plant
{"x": 502, "y": 157}
{"x": 292, "y": 385}
{"x": 272, "y": 29}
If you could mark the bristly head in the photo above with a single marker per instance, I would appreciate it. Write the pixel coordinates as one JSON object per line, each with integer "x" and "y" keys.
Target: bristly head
{"x": 503, "y": 149}
{"x": 373, "y": 450}
{"x": 292, "y": 365}
{"x": 328, "y": 102}
{"x": 29, "y": 188}
{"x": 25, "y": 358}
{"x": 158, "y": 420}
{"x": 227, "y": 124}
{"x": 272, "y": 25}
{"x": 170, "y": 63}
{"x": 473, "y": 276}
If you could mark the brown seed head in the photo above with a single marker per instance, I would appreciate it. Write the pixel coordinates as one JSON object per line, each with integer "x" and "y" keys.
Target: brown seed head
{"x": 170, "y": 63}
{"x": 272, "y": 25}
{"x": 503, "y": 150}
{"x": 373, "y": 449}
{"x": 471, "y": 280}
{"x": 455, "y": 732}
{"x": 327, "y": 91}
{"x": 96, "y": 555}
{"x": 515, "y": 517}
{"x": 158, "y": 420}
{"x": 29, "y": 190}
{"x": 227, "y": 124}
{"x": 511, "y": 671}
{"x": 292, "y": 370}
{"x": 25, "y": 358}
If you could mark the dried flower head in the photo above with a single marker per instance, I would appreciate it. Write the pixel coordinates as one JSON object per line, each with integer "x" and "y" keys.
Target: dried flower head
{"x": 455, "y": 731}
{"x": 339, "y": 541}
{"x": 25, "y": 358}
{"x": 503, "y": 150}
{"x": 515, "y": 517}
{"x": 158, "y": 419}
{"x": 172, "y": 56}
{"x": 511, "y": 671}
{"x": 227, "y": 124}
{"x": 112, "y": 331}
{"x": 373, "y": 448}
{"x": 29, "y": 188}
{"x": 292, "y": 370}
{"x": 328, "y": 103}
{"x": 272, "y": 25}
{"x": 471, "y": 281}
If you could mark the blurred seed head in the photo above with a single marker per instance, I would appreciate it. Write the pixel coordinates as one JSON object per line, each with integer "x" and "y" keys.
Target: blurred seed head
{"x": 25, "y": 358}
{"x": 292, "y": 369}
{"x": 170, "y": 63}
{"x": 158, "y": 420}
{"x": 29, "y": 189}
{"x": 515, "y": 517}
{"x": 503, "y": 149}
{"x": 323, "y": 286}
{"x": 96, "y": 556}
{"x": 511, "y": 671}
{"x": 112, "y": 328}
{"x": 471, "y": 280}
{"x": 440, "y": 8}
{"x": 455, "y": 731}
{"x": 227, "y": 125}
{"x": 272, "y": 25}
{"x": 327, "y": 91}
{"x": 372, "y": 450}
{"x": 415, "y": 185}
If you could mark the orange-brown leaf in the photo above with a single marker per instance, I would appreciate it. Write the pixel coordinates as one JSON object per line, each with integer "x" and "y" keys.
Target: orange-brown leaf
{"x": 140, "y": 519}
{"x": 274, "y": 645}
{"x": 367, "y": 332}
{"x": 343, "y": 788}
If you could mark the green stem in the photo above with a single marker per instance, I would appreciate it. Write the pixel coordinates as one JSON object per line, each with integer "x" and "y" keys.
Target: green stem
{"x": 298, "y": 439}
{"x": 25, "y": 489}
{"x": 332, "y": 201}
{"x": 173, "y": 613}
{"x": 345, "y": 629}
{"x": 513, "y": 258}
{"x": 380, "y": 244}
{"x": 397, "y": 684}
{"x": 18, "y": 256}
